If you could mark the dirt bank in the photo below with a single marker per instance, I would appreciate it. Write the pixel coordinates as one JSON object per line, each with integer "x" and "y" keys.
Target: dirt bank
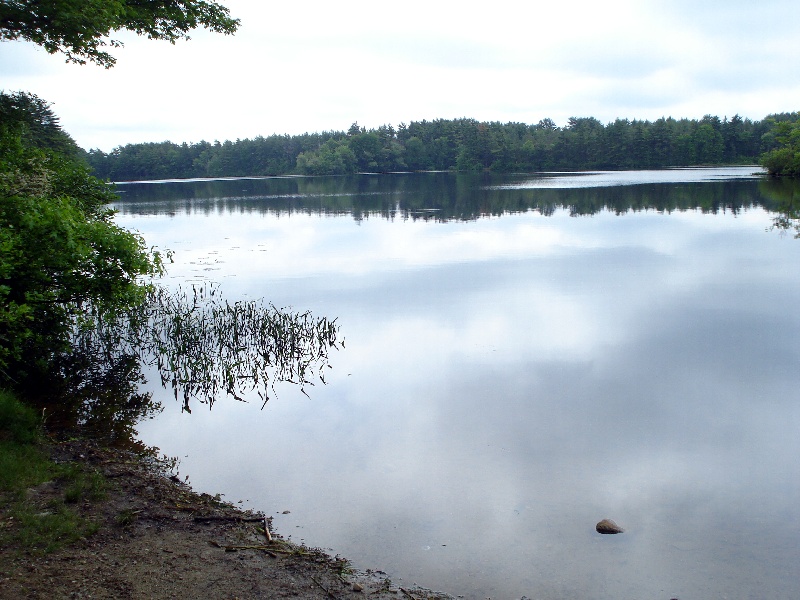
{"x": 158, "y": 539}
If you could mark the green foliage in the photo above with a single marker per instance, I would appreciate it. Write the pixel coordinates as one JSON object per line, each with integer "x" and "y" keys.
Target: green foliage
{"x": 59, "y": 251}
{"x": 80, "y": 30}
{"x": 332, "y": 158}
{"x": 24, "y": 465}
{"x": 784, "y": 160}
{"x": 19, "y": 423}
{"x": 273, "y": 155}
{"x": 78, "y": 314}
{"x": 33, "y": 119}
{"x": 458, "y": 144}
{"x": 708, "y": 143}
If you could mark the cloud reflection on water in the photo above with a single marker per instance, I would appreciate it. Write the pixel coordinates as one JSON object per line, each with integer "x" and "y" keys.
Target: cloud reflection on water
{"x": 510, "y": 381}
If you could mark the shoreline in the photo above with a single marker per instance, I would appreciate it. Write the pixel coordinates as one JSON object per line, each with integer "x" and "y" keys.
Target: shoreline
{"x": 157, "y": 538}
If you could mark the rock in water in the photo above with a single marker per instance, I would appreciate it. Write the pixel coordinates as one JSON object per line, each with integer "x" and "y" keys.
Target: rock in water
{"x": 608, "y": 526}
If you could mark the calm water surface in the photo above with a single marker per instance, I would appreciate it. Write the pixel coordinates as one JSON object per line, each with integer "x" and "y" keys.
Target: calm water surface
{"x": 524, "y": 357}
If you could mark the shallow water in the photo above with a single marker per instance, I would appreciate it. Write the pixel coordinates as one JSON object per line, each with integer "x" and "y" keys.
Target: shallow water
{"x": 521, "y": 361}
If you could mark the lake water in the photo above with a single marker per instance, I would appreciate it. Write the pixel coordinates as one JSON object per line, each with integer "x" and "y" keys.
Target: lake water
{"x": 525, "y": 356}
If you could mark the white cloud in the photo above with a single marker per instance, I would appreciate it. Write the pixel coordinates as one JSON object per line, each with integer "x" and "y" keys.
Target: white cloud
{"x": 319, "y": 66}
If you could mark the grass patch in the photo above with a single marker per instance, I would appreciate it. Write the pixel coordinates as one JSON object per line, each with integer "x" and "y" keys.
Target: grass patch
{"x": 22, "y": 462}
{"x": 83, "y": 485}
{"x": 43, "y": 531}
{"x": 32, "y": 518}
{"x": 18, "y": 422}
{"x": 23, "y": 466}
{"x": 126, "y": 518}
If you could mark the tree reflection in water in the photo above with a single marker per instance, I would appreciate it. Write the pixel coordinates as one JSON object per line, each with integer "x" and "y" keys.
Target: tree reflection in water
{"x": 202, "y": 346}
{"x": 785, "y": 195}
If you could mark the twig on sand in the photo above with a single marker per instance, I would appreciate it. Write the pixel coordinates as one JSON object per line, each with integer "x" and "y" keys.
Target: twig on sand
{"x": 267, "y": 549}
{"x": 324, "y": 589}
{"x": 229, "y": 519}
{"x": 267, "y": 534}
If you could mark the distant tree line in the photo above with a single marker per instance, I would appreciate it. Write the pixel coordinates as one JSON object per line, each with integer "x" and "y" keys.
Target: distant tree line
{"x": 462, "y": 145}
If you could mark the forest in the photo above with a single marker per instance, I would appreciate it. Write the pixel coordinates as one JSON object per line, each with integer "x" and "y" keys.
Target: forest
{"x": 462, "y": 145}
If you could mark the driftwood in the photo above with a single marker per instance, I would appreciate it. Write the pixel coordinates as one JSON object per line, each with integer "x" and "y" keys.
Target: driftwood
{"x": 324, "y": 589}
{"x": 261, "y": 520}
{"x": 229, "y": 519}
{"x": 120, "y": 474}
{"x": 264, "y": 548}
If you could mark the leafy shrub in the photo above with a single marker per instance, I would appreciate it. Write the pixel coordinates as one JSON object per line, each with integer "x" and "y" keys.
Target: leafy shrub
{"x": 18, "y": 422}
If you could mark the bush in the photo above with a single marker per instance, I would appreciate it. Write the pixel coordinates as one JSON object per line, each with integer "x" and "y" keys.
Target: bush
{"x": 784, "y": 161}
{"x": 18, "y": 422}
{"x": 60, "y": 251}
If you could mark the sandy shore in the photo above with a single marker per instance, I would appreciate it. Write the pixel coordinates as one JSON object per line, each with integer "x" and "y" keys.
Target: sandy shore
{"x": 158, "y": 539}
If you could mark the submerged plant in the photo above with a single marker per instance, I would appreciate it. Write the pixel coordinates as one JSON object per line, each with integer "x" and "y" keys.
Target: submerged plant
{"x": 204, "y": 346}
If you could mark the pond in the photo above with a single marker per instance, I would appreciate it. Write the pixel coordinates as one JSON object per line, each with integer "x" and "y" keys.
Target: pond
{"x": 525, "y": 356}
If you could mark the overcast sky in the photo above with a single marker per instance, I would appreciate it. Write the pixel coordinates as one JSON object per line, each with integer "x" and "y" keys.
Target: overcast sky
{"x": 321, "y": 65}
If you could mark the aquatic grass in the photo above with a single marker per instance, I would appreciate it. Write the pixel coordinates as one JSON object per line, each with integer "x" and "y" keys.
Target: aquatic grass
{"x": 205, "y": 346}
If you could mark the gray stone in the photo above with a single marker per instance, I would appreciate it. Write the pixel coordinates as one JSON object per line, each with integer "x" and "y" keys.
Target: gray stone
{"x": 607, "y": 526}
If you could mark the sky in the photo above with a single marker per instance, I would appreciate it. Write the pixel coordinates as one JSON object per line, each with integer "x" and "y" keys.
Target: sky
{"x": 321, "y": 66}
